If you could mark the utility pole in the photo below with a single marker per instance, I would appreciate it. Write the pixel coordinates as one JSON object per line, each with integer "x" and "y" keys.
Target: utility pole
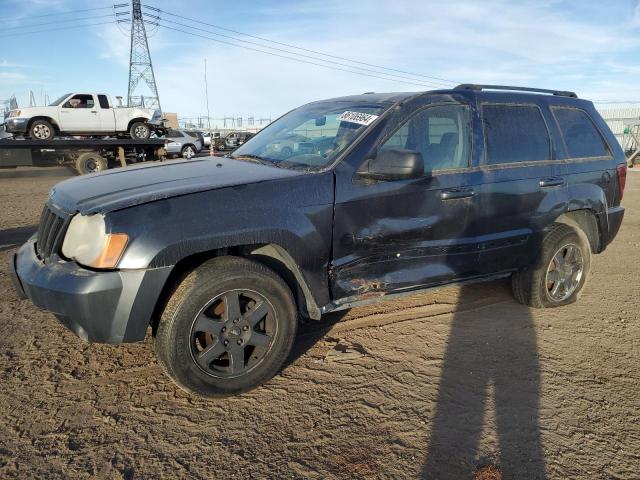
{"x": 206, "y": 94}
{"x": 140, "y": 67}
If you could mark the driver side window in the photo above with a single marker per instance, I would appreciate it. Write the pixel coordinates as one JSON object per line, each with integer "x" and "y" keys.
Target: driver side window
{"x": 440, "y": 134}
{"x": 79, "y": 101}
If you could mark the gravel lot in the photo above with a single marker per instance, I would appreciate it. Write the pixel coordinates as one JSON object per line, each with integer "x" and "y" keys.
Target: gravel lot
{"x": 437, "y": 385}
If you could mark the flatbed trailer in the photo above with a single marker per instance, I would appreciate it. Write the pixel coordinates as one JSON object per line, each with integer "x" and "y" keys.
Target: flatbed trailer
{"x": 85, "y": 155}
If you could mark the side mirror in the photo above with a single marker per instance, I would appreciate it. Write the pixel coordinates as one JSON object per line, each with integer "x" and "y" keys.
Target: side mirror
{"x": 393, "y": 164}
{"x": 321, "y": 121}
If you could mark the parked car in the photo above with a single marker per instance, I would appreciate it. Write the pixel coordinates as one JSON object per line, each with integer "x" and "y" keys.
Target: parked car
{"x": 410, "y": 191}
{"x": 206, "y": 139}
{"x": 196, "y": 134}
{"x": 232, "y": 140}
{"x": 87, "y": 114}
{"x": 182, "y": 143}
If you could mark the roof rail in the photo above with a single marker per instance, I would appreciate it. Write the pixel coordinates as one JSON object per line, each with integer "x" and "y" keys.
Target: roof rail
{"x": 472, "y": 86}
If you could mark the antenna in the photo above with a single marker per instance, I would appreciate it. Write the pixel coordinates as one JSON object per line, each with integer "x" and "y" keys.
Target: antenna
{"x": 140, "y": 67}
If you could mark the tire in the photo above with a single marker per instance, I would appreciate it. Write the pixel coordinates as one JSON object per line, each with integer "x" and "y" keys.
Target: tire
{"x": 41, "y": 130}
{"x": 199, "y": 361}
{"x": 140, "y": 131}
{"x": 535, "y": 286}
{"x": 188, "y": 151}
{"x": 90, "y": 162}
{"x": 287, "y": 152}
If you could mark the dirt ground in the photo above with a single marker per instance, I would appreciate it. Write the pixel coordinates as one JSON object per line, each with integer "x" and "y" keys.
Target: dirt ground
{"x": 437, "y": 385}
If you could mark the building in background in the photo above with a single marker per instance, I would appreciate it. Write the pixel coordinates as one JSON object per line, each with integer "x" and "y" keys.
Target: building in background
{"x": 618, "y": 117}
{"x": 171, "y": 119}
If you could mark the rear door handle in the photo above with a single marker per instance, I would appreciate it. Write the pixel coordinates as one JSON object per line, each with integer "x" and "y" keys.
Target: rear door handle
{"x": 457, "y": 193}
{"x": 551, "y": 182}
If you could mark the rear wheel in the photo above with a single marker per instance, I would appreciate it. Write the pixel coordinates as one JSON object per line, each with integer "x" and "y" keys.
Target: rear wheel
{"x": 561, "y": 272}
{"x": 41, "y": 130}
{"x": 227, "y": 328}
{"x": 140, "y": 131}
{"x": 188, "y": 151}
{"x": 90, "y": 162}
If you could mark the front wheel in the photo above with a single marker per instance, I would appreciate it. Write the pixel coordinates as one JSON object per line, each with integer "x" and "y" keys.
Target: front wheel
{"x": 227, "y": 328}
{"x": 561, "y": 272}
{"x": 41, "y": 130}
{"x": 140, "y": 131}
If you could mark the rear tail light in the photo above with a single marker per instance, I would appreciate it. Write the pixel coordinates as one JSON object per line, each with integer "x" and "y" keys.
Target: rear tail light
{"x": 621, "y": 170}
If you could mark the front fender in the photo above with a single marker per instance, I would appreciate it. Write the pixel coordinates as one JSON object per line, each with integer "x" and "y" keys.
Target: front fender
{"x": 295, "y": 215}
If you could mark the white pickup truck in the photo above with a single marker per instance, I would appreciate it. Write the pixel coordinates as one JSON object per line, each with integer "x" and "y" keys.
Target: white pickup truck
{"x": 85, "y": 114}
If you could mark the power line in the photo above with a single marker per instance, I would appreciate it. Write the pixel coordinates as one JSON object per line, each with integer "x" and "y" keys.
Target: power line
{"x": 411, "y": 80}
{"x": 67, "y": 13}
{"x": 64, "y": 28}
{"x": 56, "y": 22}
{"x": 291, "y": 58}
{"x": 300, "y": 48}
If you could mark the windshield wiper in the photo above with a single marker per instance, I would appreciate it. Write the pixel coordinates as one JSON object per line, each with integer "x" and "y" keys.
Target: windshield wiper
{"x": 253, "y": 158}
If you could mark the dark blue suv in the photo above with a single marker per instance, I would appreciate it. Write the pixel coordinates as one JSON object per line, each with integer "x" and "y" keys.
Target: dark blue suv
{"x": 338, "y": 203}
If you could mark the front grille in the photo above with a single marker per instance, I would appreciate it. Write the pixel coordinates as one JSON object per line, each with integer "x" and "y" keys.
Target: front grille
{"x": 51, "y": 232}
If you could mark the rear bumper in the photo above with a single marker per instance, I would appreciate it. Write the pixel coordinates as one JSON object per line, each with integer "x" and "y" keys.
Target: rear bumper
{"x": 16, "y": 125}
{"x": 614, "y": 220}
{"x": 103, "y": 307}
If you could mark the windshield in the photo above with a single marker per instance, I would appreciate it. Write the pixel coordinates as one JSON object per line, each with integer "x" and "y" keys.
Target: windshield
{"x": 60, "y": 100}
{"x": 311, "y": 136}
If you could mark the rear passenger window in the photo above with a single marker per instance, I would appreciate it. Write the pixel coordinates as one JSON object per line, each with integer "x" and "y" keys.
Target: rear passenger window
{"x": 580, "y": 134}
{"x": 440, "y": 133}
{"x": 515, "y": 133}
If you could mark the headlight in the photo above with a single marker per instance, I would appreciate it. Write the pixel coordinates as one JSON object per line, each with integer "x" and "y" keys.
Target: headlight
{"x": 87, "y": 243}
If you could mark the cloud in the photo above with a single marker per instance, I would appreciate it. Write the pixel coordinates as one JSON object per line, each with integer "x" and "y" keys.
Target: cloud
{"x": 13, "y": 76}
{"x": 496, "y": 41}
{"x": 7, "y": 64}
{"x": 545, "y": 43}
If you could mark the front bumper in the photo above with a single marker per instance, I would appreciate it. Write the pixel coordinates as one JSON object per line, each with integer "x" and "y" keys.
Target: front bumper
{"x": 16, "y": 125}
{"x": 103, "y": 307}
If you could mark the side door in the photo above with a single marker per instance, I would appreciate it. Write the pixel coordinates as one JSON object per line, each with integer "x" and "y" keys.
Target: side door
{"x": 589, "y": 166}
{"x": 105, "y": 114}
{"x": 392, "y": 236}
{"x": 79, "y": 114}
{"x": 521, "y": 188}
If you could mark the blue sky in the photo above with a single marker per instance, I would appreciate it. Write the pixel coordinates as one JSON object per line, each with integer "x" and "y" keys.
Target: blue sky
{"x": 592, "y": 47}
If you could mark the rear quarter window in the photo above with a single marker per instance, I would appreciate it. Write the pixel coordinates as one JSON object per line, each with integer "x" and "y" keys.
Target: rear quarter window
{"x": 515, "y": 133}
{"x": 104, "y": 102}
{"x": 582, "y": 138}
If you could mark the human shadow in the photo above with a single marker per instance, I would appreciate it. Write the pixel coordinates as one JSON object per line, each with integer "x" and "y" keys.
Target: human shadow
{"x": 491, "y": 353}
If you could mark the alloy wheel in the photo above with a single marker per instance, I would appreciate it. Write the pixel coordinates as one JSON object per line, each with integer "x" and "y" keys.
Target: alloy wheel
{"x": 232, "y": 333}
{"x": 41, "y": 132}
{"x": 564, "y": 272}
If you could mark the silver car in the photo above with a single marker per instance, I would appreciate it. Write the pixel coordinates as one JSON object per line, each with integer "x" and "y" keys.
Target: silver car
{"x": 182, "y": 143}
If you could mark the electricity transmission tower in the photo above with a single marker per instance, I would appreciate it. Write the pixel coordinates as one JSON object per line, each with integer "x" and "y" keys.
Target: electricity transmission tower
{"x": 140, "y": 67}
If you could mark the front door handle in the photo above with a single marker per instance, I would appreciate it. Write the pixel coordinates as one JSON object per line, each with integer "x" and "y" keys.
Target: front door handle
{"x": 94, "y": 111}
{"x": 551, "y": 182}
{"x": 457, "y": 193}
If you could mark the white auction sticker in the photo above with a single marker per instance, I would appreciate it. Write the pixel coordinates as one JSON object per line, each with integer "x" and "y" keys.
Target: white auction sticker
{"x": 357, "y": 117}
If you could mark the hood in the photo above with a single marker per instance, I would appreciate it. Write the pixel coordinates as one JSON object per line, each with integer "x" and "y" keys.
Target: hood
{"x": 28, "y": 111}
{"x": 121, "y": 188}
